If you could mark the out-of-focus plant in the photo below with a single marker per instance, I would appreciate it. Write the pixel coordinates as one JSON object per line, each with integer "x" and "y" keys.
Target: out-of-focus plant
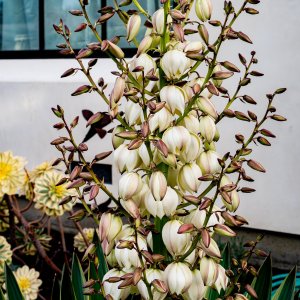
{"x": 177, "y": 193}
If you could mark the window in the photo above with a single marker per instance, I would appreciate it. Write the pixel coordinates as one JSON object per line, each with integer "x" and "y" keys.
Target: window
{"x": 26, "y": 26}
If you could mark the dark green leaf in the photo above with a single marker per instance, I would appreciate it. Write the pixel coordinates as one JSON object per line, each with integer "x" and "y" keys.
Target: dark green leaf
{"x": 102, "y": 267}
{"x": 12, "y": 287}
{"x": 77, "y": 278}
{"x": 66, "y": 288}
{"x": 263, "y": 283}
{"x": 287, "y": 287}
{"x": 93, "y": 274}
{"x": 55, "y": 293}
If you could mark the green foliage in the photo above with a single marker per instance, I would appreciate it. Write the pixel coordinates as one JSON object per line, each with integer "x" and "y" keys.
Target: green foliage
{"x": 78, "y": 278}
{"x": 287, "y": 287}
{"x": 12, "y": 288}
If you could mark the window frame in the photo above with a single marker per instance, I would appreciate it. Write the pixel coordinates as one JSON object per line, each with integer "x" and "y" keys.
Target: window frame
{"x": 43, "y": 53}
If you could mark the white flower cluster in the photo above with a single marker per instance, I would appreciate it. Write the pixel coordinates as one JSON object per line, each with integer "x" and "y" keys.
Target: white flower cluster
{"x": 166, "y": 143}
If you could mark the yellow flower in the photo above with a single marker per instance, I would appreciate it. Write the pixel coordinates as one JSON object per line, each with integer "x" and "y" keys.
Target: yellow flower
{"x": 40, "y": 170}
{"x": 29, "y": 282}
{"x": 79, "y": 241}
{"x": 48, "y": 194}
{"x": 12, "y": 173}
{"x": 5, "y": 255}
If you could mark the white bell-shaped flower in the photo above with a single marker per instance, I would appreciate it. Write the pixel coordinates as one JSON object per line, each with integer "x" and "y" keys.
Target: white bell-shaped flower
{"x": 208, "y": 128}
{"x": 188, "y": 177}
{"x": 133, "y": 113}
{"x": 193, "y": 151}
{"x": 126, "y": 160}
{"x": 208, "y": 162}
{"x": 209, "y": 271}
{"x": 197, "y": 290}
{"x": 129, "y": 185}
{"x": 161, "y": 120}
{"x": 174, "y": 96}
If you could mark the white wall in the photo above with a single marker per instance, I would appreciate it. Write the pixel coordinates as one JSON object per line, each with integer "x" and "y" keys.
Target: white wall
{"x": 29, "y": 88}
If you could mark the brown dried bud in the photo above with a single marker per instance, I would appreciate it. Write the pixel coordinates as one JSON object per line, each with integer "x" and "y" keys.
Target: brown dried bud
{"x": 94, "y": 192}
{"x": 244, "y": 37}
{"x": 191, "y": 199}
{"x": 74, "y": 174}
{"x": 230, "y": 66}
{"x": 278, "y": 118}
{"x": 83, "y": 53}
{"x": 203, "y": 33}
{"x": 102, "y": 155}
{"x": 256, "y": 166}
{"x": 241, "y": 116}
{"x": 205, "y": 203}
{"x": 135, "y": 144}
{"x": 251, "y": 291}
{"x": 249, "y": 99}
{"x": 68, "y": 73}
{"x": 76, "y": 184}
{"x": 221, "y": 75}
{"x": 80, "y": 27}
{"x": 82, "y": 90}
{"x": 59, "y": 141}
{"x": 263, "y": 141}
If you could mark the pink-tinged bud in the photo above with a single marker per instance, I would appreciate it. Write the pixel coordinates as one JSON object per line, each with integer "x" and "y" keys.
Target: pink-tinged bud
{"x": 188, "y": 178}
{"x": 133, "y": 113}
{"x": 144, "y": 45}
{"x": 158, "y": 185}
{"x": 109, "y": 227}
{"x": 222, "y": 280}
{"x": 178, "y": 277}
{"x": 131, "y": 207}
{"x": 133, "y": 27}
{"x": 233, "y": 195}
{"x": 224, "y": 230}
{"x": 208, "y": 162}
{"x": 161, "y": 120}
{"x": 212, "y": 250}
{"x": 165, "y": 207}
{"x": 197, "y": 290}
{"x": 193, "y": 150}
{"x": 189, "y": 88}
{"x": 126, "y": 160}
{"x": 177, "y": 244}
{"x": 209, "y": 271}
{"x": 158, "y": 21}
{"x": 115, "y": 50}
{"x": 129, "y": 185}
{"x": 174, "y": 63}
{"x": 193, "y": 47}
{"x": 118, "y": 90}
{"x": 112, "y": 288}
{"x": 117, "y": 141}
{"x": 151, "y": 274}
{"x": 174, "y": 96}
{"x": 203, "y": 9}
{"x": 176, "y": 138}
{"x": 170, "y": 160}
{"x": 128, "y": 258}
{"x": 217, "y": 82}
{"x": 191, "y": 123}
{"x": 208, "y": 128}
{"x": 206, "y": 106}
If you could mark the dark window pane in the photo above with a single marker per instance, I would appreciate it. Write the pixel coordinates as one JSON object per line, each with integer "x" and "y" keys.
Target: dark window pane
{"x": 116, "y": 27}
{"x": 19, "y": 25}
{"x": 56, "y": 9}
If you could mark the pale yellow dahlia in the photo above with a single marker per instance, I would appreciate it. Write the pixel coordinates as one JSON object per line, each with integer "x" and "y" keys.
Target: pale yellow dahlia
{"x": 5, "y": 255}
{"x": 48, "y": 194}
{"x": 40, "y": 170}
{"x": 12, "y": 174}
{"x": 79, "y": 241}
{"x": 29, "y": 282}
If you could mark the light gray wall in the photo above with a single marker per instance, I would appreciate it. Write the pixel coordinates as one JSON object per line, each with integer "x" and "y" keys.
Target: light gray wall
{"x": 30, "y": 88}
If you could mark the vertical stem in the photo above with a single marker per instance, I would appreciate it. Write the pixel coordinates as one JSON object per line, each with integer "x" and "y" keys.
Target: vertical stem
{"x": 63, "y": 242}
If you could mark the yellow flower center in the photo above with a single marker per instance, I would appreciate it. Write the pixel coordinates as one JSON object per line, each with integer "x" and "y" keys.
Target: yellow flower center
{"x": 59, "y": 191}
{"x": 5, "y": 170}
{"x": 24, "y": 283}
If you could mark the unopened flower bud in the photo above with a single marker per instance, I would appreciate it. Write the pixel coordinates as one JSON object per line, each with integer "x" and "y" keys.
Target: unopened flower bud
{"x": 144, "y": 45}
{"x": 158, "y": 21}
{"x": 144, "y": 155}
{"x": 174, "y": 97}
{"x": 193, "y": 47}
{"x": 115, "y": 50}
{"x": 176, "y": 138}
{"x": 158, "y": 185}
{"x": 208, "y": 128}
{"x": 203, "y": 9}
{"x": 126, "y": 160}
{"x": 133, "y": 113}
{"x": 191, "y": 123}
{"x": 165, "y": 207}
{"x": 188, "y": 177}
{"x": 133, "y": 26}
{"x": 109, "y": 227}
{"x": 146, "y": 62}
{"x": 193, "y": 150}
{"x": 117, "y": 141}
{"x": 118, "y": 90}
{"x": 129, "y": 185}
{"x": 178, "y": 277}
{"x": 212, "y": 250}
{"x": 131, "y": 207}
{"x": 208, "y": 162}
{"x": 112, "y": 288}
{"x": 174, "y": 63}
{"x": 217, "y": 82}
{"x": 240, "y": 297}
{"x": 209, "y": 271}
{"x": 233, "y": 195}
{"x": 161, "y": 120}
{"x": 197, "y": 290}
{"x": 207, "y": 107}
{"x": 177, "y": 244}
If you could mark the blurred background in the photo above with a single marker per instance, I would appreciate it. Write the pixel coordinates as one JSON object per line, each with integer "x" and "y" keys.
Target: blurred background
{"x": 30, "y": 84}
